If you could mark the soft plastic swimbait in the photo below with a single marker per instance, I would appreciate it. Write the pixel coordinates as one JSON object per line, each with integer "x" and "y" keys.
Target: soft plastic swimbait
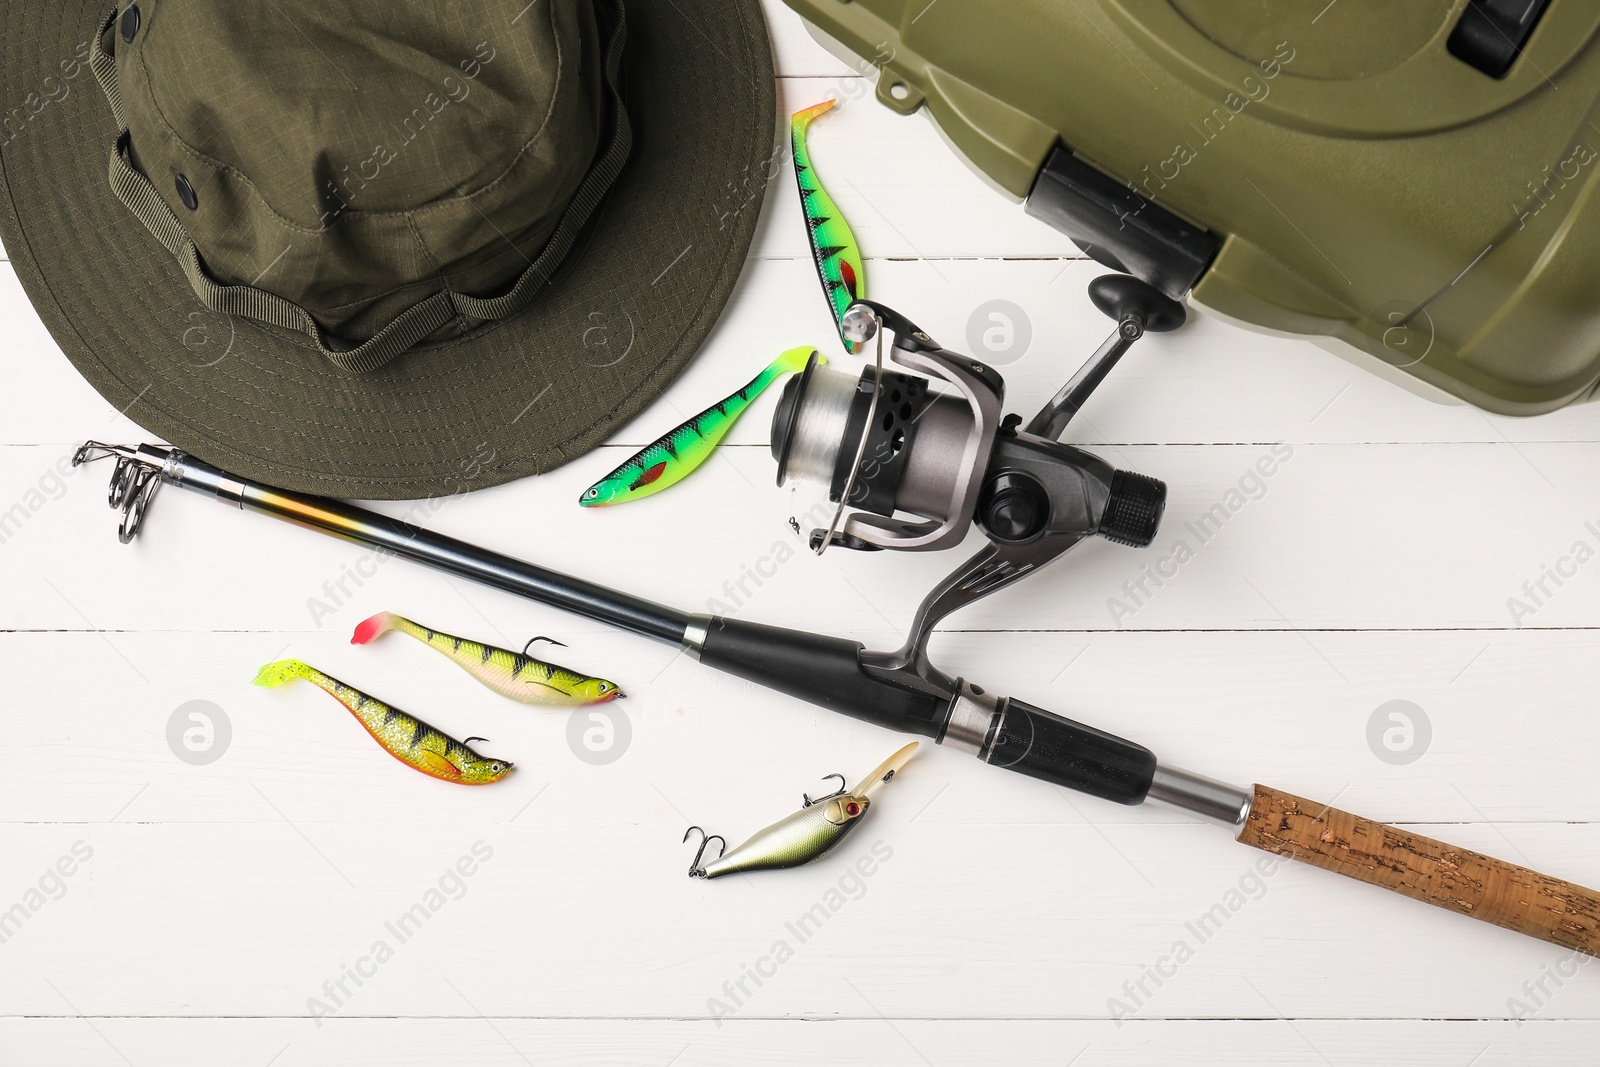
{"x": 809, "y": 832}
{"x": 668, "y": 461}
{"x": 833, "y": 246}
{"x": 405, "y": 737}
{"x": 513, "y": 674}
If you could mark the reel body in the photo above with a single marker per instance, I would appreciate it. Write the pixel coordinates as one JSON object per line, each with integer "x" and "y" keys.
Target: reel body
{"x": 916, "y": 464}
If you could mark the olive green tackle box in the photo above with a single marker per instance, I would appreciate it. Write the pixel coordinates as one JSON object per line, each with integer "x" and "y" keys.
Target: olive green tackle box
{"x": 1414, "y": 181}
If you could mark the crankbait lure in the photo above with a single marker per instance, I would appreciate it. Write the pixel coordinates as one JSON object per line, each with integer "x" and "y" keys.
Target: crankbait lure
{"x": 668, "y": 461}
{"x": 833, "y": 246}
{"x": 513, "y": 674}
{"x": 405, "y": 737}
{"x": 805, "y": 835}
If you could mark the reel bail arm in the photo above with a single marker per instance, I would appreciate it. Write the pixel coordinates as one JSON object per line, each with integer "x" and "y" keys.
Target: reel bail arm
{"x": 976, "y": 383}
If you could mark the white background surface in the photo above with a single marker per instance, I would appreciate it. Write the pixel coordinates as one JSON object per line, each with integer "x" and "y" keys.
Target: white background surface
{"x": 1376, "y": 565}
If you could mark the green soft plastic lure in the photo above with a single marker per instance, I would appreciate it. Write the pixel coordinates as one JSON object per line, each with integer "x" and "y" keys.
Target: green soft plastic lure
{"x": 671, "y": 459}
{"x": 405, "y": 737}
{"x": 513, "y": 674}
{"x": 833, "y": 246}
{"x": 805, "y": 835}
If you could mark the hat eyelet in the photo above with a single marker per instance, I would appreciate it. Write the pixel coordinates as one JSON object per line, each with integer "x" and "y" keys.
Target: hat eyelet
{"x": 186, "y": 192}
{"x": 128, "y": 24}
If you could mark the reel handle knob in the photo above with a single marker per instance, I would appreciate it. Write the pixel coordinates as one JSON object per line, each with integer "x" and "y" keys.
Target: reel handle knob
{"x": 1125, "y": 299}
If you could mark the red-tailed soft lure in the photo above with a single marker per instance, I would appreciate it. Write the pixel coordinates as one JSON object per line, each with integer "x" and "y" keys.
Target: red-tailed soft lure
{"x": 833, "y": 246}
{"x": 673, "y": 457}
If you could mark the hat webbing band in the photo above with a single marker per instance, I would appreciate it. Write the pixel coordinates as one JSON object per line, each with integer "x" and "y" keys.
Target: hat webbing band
{"x": 420, "y": 320}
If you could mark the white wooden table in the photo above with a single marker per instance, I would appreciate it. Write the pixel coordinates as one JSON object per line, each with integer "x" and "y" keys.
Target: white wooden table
{"x": 215, "y": 913}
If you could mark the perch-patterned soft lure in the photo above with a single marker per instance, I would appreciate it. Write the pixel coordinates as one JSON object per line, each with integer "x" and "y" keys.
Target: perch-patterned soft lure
{"x": 513, "y": 674}
{"x": 668, "y": 461}
{"x": 833, "y": 246}
{"x": 405, "y": 737}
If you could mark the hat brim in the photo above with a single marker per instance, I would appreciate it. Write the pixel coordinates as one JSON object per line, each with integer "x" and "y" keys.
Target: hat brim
{"x": 626, "y": 313}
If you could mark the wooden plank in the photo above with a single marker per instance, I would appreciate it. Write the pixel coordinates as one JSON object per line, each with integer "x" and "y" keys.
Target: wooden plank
{"x": 558, "y": 916}
{"x": 849, "y": 1043}
{"x": 1242, "y": 707}
{"x": 1335, "y": 536}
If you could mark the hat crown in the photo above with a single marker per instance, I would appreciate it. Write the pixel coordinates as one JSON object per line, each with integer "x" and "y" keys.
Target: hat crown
{"x": 357, "y": 162}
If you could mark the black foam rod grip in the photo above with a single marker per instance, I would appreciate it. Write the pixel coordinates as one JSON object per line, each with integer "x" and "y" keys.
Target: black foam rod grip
{"x": 1044, "y": 745}
{"x": 823, "y": 670}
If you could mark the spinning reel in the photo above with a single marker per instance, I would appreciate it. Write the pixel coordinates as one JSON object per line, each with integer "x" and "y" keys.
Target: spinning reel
{"x": 918, "y": 465}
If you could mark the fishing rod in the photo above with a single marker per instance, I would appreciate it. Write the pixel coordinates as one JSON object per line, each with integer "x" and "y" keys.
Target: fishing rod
{"x": 948, "y": 459}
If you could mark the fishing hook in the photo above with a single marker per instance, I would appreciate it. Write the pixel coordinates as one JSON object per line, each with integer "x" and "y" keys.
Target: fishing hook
{"x": 695, "y": 869}
{"x": 836, "y": 793}
{"x": 531, "y": 640}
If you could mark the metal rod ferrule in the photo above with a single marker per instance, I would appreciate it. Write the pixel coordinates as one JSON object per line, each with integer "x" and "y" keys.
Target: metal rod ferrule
{"x": 1218, "y": 801}
{"x": 183, "y": 470}
{"x": 695, "y": 634}
{"x": 970, "y": 720}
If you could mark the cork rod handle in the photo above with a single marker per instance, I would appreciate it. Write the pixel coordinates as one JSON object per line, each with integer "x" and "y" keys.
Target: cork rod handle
{"x": 1445, "y": 876}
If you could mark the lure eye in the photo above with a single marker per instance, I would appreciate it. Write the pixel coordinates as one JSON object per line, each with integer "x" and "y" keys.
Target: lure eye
{"x": 495, "y": 768}
{"x": 605, "y": 687}
{"x": 590, "y": 494}
{"x": 852, "y": 808}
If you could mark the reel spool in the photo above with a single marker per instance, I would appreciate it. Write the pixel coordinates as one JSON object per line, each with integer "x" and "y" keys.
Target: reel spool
{"x": 887, "y": 442}
{"x": 890, "y": 444}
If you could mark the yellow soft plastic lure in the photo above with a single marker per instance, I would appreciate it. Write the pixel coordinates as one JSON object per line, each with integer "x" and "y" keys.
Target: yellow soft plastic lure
{"x": 513, "y": 674}
{"x": 405, "y": 737}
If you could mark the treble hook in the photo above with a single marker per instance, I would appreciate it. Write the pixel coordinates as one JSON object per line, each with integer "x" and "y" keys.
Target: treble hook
{"x": 531, "y": 640}
{"x": 836, "y": 793}
{"x": 695, "y": 869}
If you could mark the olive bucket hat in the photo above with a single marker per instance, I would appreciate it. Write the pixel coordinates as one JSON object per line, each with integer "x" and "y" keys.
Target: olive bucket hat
{"x": 382, "y": 250}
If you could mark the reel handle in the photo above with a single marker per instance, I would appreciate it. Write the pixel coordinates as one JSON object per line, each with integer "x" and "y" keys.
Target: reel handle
{"x": 1456, "y": 879}
{"x": 1137, "y": 308}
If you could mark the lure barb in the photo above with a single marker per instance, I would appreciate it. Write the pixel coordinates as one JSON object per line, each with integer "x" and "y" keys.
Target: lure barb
{"x": 809, "y": 800}
{"x": 695, "y": 870}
